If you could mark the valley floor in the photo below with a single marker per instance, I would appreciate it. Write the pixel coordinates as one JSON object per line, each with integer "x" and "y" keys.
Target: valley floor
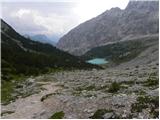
{"x": 130, "y": 92}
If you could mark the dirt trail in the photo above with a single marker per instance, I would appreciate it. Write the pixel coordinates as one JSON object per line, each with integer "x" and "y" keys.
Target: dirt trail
{"x": 30, "y": 107}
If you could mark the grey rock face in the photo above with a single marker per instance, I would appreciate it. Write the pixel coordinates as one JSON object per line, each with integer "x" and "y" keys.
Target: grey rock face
{"x": 139, "y": 18}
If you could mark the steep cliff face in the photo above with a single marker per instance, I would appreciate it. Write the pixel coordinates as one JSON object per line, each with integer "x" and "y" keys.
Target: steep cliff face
{"x": 139, "y": 18}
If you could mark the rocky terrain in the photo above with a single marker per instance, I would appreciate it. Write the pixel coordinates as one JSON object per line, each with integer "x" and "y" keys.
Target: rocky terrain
{"x": 138, "y": 18}
{"x": 32, "y": 87}
{"x": 120, "y": 92}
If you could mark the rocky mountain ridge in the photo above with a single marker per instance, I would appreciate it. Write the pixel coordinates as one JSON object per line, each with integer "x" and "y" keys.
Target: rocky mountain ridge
{"x": 138, "y": 18}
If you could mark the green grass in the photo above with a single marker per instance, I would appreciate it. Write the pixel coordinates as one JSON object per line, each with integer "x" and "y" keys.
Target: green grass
{"x": 58, "y": 115}
{"x": 91, "y": 87}
{"x": 78, "y": 91}
{"x": 140, "y": 92}
{"x": 113, "y": 88}
{"x": 141, "y": 104}
{"x": 87, "y": 88}
{"x": 104, "y": 87}
{"x": 152, "y": 80}
{"x": 128, "y": 82}
{"x": 12, "y": 89}
{"x": 8, "y": 88}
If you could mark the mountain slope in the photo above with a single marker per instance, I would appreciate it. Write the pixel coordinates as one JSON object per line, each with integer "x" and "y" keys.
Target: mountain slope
{"x": 128, "y": 50}
{"x": 24, "y": 56}
{"x": 139, "y": 18}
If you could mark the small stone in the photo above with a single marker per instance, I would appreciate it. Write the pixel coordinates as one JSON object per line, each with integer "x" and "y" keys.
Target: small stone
{"x": 88, "y": 110}
{"x": 108, "y": 115}
{"x": 71, "y": 116}
{"x": 31, "y": 80}
{"x": 34, "y": 115}
{"x": 33, "y": 102}
{"x": 19, "y": 96}
{"x": 42, "y": 113}
{"x": 85, "y": 110}
{"x": 124, "y": 115}
{"x": 154, "y": 92}
{"x": 140, "y": 116}
{"x": 92, "y": 97}
{"x": 94, "y": 70}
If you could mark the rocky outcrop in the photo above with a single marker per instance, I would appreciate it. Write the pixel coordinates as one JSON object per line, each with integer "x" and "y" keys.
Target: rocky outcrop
{"x": 138, "y": 18}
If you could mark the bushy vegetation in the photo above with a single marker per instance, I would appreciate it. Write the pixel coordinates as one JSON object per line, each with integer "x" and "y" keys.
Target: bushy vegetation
{"x": 8, "y": 88}
{"x": 57, "y": 115}
{"x": 152, "y": 80}
{"x": 114, "y": 87}
{"x": 7, "y": 112}
{"x": 87, "y": 88}
{"x": 131, "y": 82}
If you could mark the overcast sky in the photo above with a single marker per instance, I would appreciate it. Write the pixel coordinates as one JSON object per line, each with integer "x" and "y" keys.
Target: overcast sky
{"x": 53, "y": 17}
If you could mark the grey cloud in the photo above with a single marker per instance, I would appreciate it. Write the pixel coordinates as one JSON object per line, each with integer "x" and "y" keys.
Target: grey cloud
{"x": 51, "y": 12}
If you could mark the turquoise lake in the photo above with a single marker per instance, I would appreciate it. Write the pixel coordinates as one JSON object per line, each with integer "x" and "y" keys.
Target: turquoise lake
{"x": 97, "y": 61}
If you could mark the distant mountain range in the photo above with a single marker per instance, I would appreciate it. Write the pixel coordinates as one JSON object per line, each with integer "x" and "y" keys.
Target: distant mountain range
{"x": 20, "y": 55}
{"x": 138, "y": 18}
{"x": 41, "y": 38}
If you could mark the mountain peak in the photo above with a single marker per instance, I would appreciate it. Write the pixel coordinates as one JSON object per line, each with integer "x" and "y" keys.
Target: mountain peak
{"x": 139, "y": 18}
{"x": 4, "y": 26}
{"x": 148, "y": 5}
{"x": 115, "y": 9}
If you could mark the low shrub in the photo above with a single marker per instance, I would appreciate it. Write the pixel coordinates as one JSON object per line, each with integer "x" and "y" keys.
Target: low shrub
{"x": 114, "y": 87}
{"x": 57, "y": 115}
{"x": 100, "y": 113}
